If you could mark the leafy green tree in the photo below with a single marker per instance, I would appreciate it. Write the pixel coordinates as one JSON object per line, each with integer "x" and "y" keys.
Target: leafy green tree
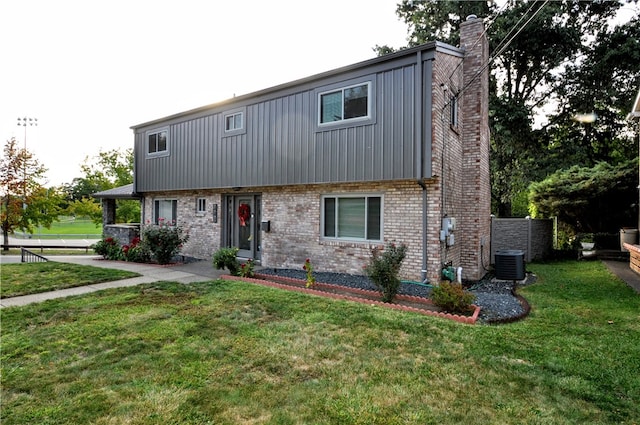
{"x": 602, "y": 198}
{"x": 110, "y": 169}
{"x": 601, "y": 88}
{"x": 533, "y": 45}
{"x": 26, "y": 204}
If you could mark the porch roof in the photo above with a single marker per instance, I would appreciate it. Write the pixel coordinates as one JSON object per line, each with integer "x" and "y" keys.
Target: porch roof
{"x": 122, "y": 192}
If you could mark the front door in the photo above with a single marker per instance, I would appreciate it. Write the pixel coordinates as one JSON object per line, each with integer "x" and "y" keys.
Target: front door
{"x": 243, "y": 225}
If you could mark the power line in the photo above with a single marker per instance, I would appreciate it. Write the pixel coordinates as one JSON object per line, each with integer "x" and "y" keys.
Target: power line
{"x": 503, "y": 48}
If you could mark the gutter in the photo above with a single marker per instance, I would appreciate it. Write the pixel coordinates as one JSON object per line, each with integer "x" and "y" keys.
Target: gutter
{"x": 420, "y": 160}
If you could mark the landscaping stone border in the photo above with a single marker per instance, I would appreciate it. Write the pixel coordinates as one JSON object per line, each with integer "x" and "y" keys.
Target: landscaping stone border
{"x": 267, "y": 280}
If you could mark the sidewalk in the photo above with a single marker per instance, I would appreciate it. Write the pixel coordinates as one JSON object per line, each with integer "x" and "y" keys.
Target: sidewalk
{"x": 624, "y": 272}
{"x": 200, "y": 271}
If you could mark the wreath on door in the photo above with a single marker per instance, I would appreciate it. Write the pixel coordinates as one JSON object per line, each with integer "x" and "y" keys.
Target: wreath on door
{"x": 244, "y": 214}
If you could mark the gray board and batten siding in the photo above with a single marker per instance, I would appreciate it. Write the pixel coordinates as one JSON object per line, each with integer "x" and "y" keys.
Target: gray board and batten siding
{"x": 281, "y": 142}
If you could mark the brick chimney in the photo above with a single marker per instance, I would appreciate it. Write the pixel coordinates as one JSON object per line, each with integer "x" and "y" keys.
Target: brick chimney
{"x": 476, "y": 221}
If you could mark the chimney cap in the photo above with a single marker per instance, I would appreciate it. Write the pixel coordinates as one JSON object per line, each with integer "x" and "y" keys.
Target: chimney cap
{"x": 471, "y": 17}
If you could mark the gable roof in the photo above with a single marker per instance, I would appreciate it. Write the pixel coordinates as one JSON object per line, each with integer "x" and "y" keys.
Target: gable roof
{"x": 122, "y": 192}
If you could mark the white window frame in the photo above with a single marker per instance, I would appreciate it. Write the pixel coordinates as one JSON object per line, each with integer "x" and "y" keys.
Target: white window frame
{"x": 157, "y": 153}
{"x": 337, "y": 197}
{"x": 237, "y": 112}
{"x": 342, "y": 89}
{"x": 201, "y": 206}
{"x": 234, "y": 121}
{"x": 174, "y": 211}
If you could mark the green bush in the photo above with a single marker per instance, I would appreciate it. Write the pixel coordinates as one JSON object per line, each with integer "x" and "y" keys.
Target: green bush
{"x": 109, "y": 248}
{"x": 383, "y": 269}
{"x": 226, "y": 257}
{"x": 136, "y": 251}
{"x": 246, "y": 269}
{"x": 163, "y": 241}
{"x": 452, "y": 297}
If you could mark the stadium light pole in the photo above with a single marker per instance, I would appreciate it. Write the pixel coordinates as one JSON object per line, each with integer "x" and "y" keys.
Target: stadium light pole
{"x": 26, "y": 122}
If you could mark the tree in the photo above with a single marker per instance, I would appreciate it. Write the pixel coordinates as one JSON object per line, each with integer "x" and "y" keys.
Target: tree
{"x": 532, "y": 45}
{"x": 603, "y": 84}
{"x": 25, "y": 202}
{"x": 111, "y": 169}
{"x": 602, "y": 198}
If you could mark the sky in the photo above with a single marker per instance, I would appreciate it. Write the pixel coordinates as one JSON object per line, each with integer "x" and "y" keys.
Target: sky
{"x": 89, "y": 70}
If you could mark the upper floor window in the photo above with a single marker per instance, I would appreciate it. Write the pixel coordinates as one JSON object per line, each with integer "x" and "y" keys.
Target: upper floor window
{"x": 352, "y": 217}
{"x": 345, "y": 103}
{"x": 233, "y": 122}
{"x": 453, "y": 111}
{"x": 158, "y": 143}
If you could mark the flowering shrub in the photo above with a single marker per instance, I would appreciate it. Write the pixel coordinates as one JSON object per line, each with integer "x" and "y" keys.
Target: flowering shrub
{"x": 383, "y": 269}
{"x": 136, "y": 252}
{"x": 163, "y": 241}
{"x": 109, "y": 248}
{"x": 226, "y": 257}
{"x": 246, "y": 269}
{"x": 311, "y": 280}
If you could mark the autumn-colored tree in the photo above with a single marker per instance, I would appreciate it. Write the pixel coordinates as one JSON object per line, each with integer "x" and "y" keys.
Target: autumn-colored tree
{"x": 26, "y": 204}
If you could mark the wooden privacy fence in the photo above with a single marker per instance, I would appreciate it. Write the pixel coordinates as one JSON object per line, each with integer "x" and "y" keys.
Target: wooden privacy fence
{"x": 533, "y": 236}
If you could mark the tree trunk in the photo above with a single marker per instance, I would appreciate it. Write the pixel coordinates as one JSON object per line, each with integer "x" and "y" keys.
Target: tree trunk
{"x": 504, "y": 209}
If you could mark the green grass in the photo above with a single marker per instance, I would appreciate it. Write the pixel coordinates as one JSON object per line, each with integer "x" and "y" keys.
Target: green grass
{"x": 33, "y": 278}
{"x": 230, "y": 352}
{"x": 69, "y": 228}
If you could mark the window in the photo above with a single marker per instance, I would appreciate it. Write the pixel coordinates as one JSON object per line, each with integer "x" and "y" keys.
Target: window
{"x": 157, "y": 143}
{"x": 165, "y": 211}
{"x": 352, "y": 217}
{"x": 345, "y": 104}
{"x": 453, "y": 111}
{"x": 233, "y": 122}
{"x": 201, "y": 205}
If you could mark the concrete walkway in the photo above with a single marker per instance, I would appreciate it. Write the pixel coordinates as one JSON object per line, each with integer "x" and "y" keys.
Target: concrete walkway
{"x": 624, "y": 272}
{"x": 200, "y": 271}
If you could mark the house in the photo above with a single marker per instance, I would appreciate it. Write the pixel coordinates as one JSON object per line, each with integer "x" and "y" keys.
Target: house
{"x": 390, "y": 150}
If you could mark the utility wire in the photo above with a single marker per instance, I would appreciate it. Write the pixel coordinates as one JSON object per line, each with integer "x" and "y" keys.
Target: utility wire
{"x": 503, "y": 48}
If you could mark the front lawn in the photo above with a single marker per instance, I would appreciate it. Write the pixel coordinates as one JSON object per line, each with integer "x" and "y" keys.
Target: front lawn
{"x": 231, "y": 352}
{"x": 33, "y": 278}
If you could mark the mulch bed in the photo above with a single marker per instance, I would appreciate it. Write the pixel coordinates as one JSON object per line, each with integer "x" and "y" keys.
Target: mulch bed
{"x": 401, "y": 302}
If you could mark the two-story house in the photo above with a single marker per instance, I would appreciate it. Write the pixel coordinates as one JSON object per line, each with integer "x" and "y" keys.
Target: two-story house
{"x": 390, "y": 150}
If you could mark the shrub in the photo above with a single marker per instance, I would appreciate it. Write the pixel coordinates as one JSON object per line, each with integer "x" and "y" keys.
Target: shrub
{"x": 109, "y": 248}
{"x": 163, "y": 241}
{"x": 136, "y": 251}
{"x": 226, "y": 257}
{"x": 383, "y": 269}
{"x": 452, "y": 297}
{"x": 246, "y": 269}
{"x": 308, "y": 267}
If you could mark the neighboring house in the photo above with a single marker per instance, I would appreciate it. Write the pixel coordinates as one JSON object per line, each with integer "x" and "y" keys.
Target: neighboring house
{"x": 391, "y": 150}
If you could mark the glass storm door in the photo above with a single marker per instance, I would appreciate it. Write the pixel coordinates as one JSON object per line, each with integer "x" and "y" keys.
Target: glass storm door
{"x": 243, "y": 225}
